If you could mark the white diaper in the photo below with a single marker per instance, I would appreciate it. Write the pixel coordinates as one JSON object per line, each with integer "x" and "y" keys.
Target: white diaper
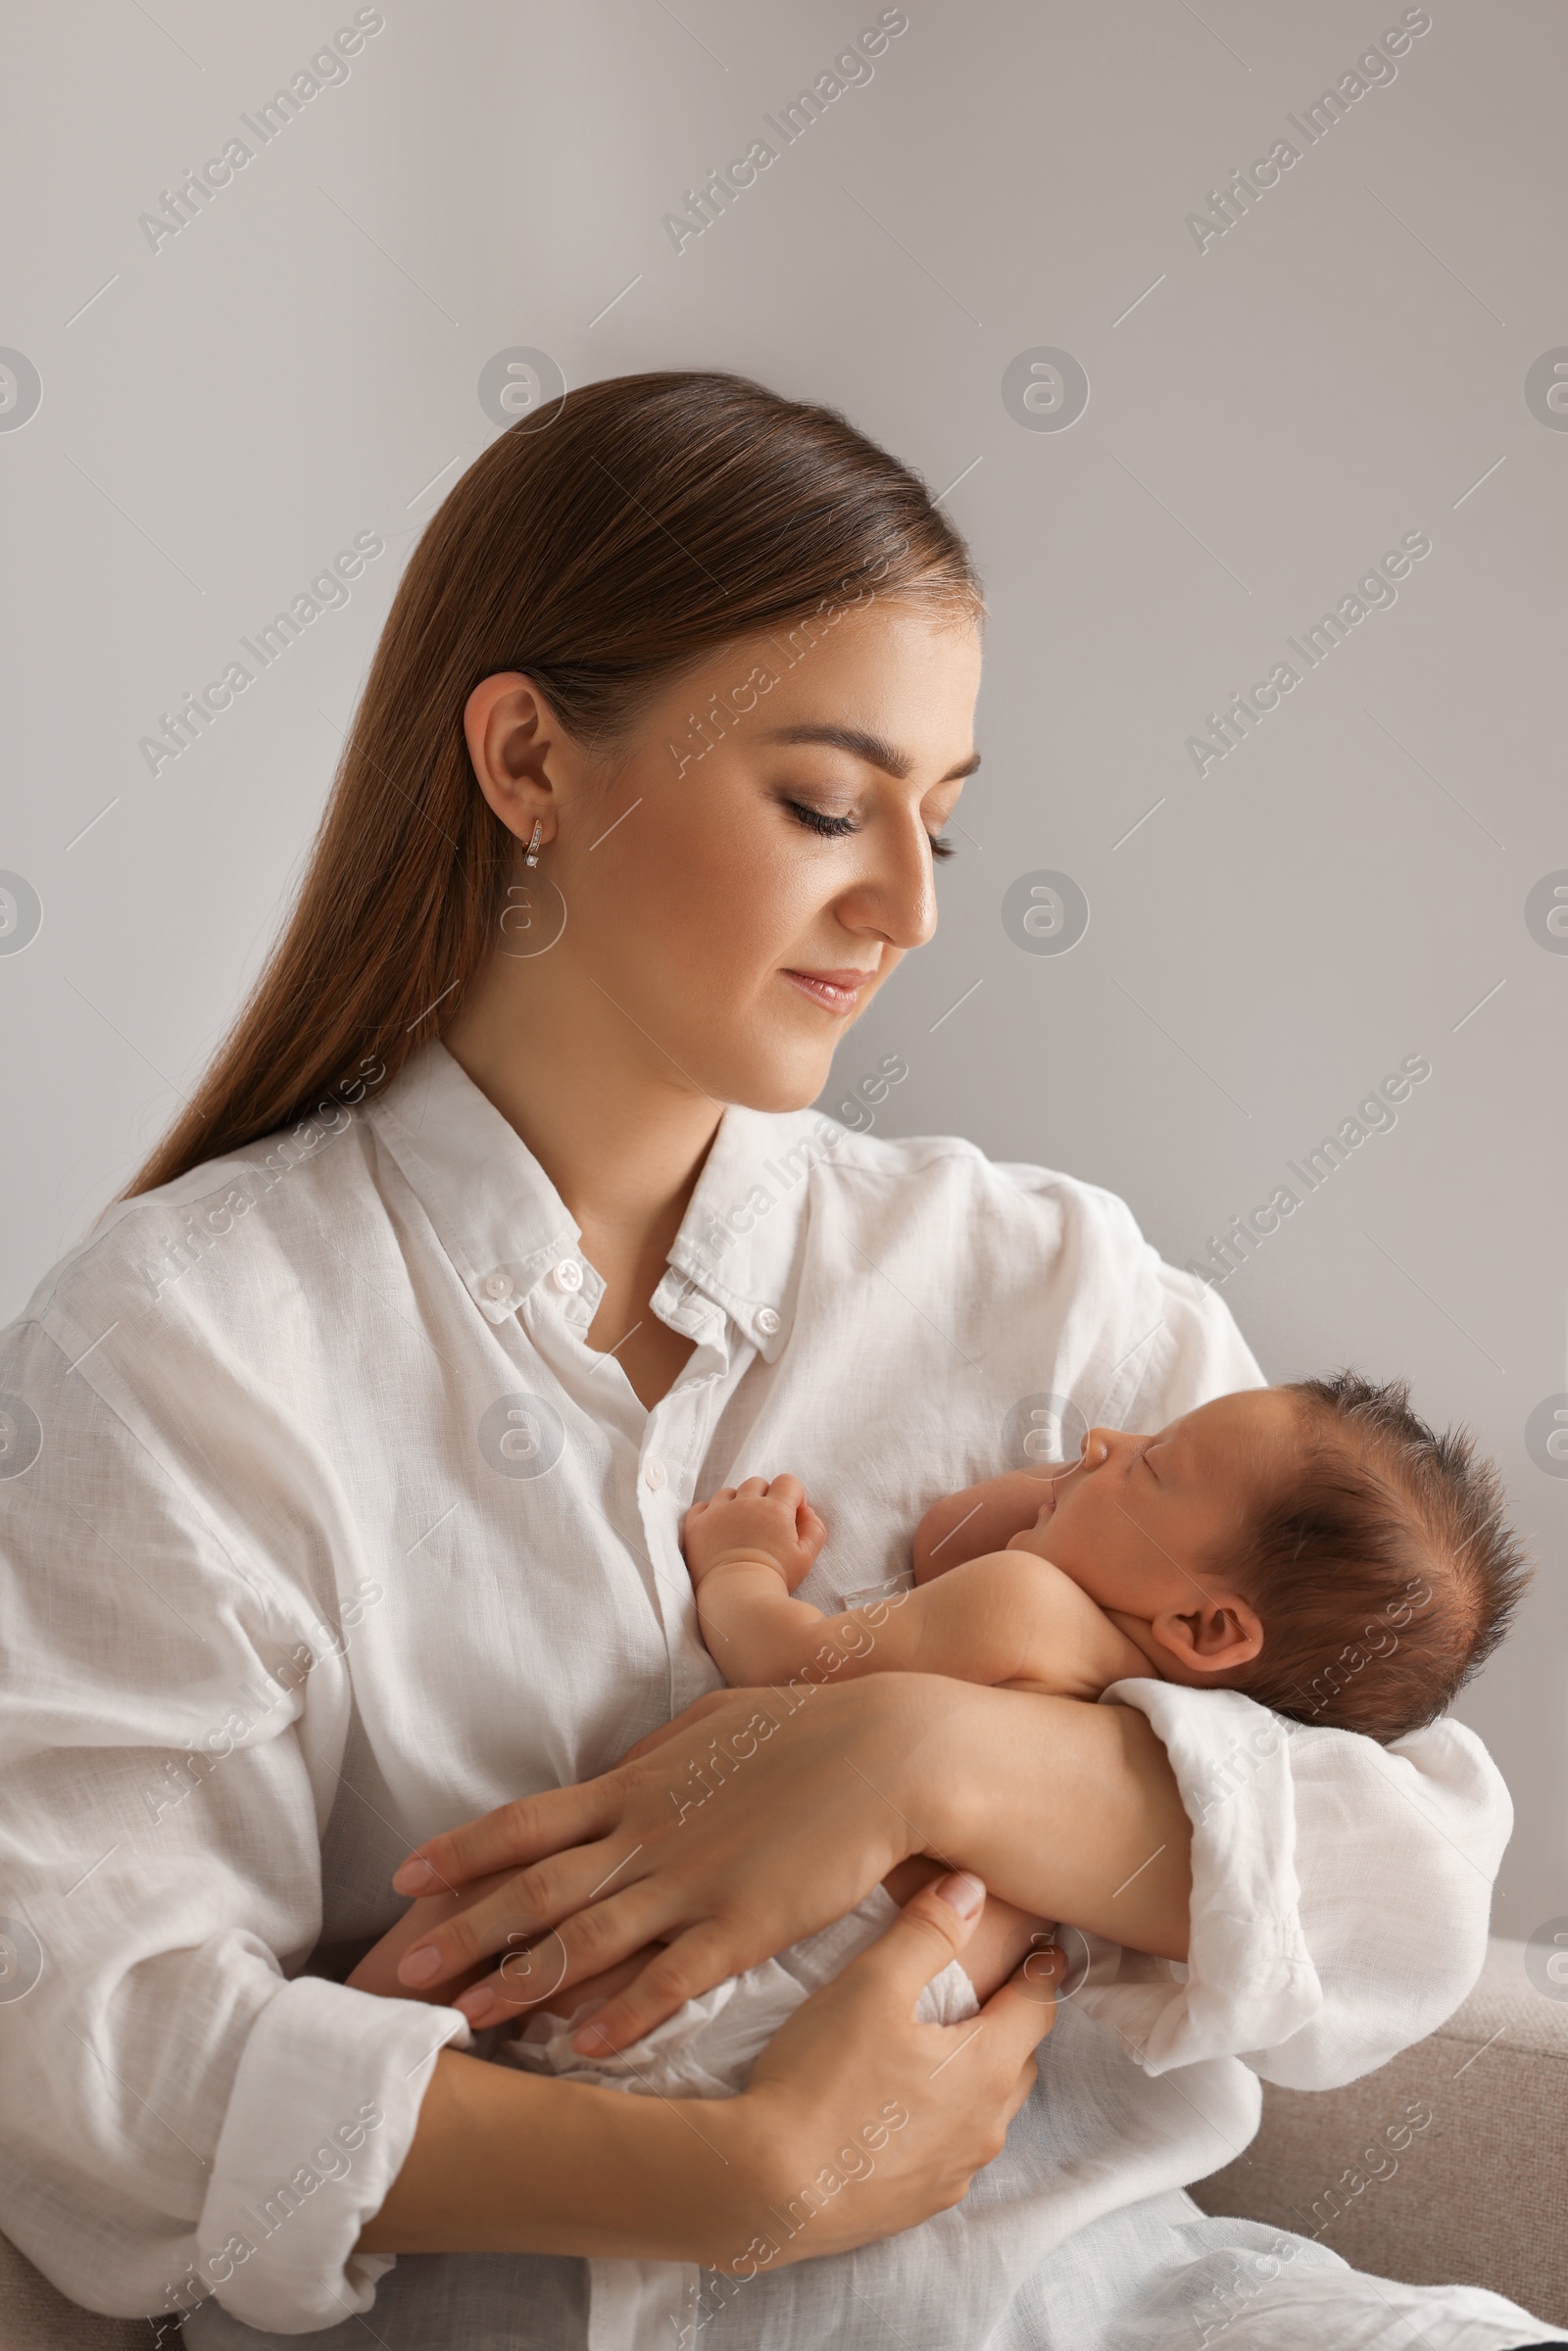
{"x": 705, "y": 2051}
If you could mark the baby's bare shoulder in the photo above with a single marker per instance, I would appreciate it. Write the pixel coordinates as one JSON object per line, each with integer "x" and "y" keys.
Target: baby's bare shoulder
{"x": 1016, "y": 1606}
{"x": 1026, "y": 1573}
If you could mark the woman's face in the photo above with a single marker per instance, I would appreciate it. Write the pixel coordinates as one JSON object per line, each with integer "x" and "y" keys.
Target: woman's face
{"x": 738, "y": 890}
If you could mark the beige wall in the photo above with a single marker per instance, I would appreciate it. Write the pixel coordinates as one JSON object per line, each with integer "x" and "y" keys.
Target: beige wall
{"x": 1270, "y": 411}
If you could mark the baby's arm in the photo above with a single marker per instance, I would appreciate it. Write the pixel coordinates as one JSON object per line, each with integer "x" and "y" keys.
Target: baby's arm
{"x": 978, "y": 1519}
{"x": 1008, "y": 1618}
{"x": 747, "y": 1547}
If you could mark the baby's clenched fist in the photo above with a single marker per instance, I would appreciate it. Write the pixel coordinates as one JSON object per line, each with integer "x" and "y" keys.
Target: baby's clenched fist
{"x": 762, "y": 1520}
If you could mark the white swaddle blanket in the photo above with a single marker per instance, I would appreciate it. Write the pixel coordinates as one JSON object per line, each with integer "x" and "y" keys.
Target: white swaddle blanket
{"x": 705, "y": 2051}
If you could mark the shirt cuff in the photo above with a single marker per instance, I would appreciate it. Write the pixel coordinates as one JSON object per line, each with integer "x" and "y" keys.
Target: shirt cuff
{"x": 322, "y": 2113}
{"x": 1249, "y": 1981}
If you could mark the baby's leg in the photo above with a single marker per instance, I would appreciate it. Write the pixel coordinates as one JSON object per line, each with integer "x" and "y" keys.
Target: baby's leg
{"x": 999, "y": 1944}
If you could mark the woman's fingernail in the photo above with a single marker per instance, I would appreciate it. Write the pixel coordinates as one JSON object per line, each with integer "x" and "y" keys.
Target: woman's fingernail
{"x": 420, "y": 1966}
{"x": 415, "y": 1877}
{"x": 963, "y": 1891}
{"x": 477, "y": 2005}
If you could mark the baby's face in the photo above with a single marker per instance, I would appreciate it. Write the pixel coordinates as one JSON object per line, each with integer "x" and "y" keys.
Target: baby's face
{"x": 1134, "y": 1521}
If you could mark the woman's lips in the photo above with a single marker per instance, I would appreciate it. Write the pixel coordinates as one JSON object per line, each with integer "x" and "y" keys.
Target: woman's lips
{"x": 834, "y": 991}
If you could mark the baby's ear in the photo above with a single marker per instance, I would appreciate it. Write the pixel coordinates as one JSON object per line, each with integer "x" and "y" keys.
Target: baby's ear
{"x": 1219, "y": 1636}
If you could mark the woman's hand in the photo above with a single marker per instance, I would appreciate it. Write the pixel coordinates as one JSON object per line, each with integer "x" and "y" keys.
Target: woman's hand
{"x": 879, "y": 2121}
{"x": 857, "y": 2122}
{"x": 755, "y": 1819}
{"x": 377, "y": 1971}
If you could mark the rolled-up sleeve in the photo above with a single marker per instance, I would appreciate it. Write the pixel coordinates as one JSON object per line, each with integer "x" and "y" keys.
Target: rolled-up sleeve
{"x": 1341, "y": 1891}
{"x": 187, "y": 2113}
{"x": 290, "y": 2190}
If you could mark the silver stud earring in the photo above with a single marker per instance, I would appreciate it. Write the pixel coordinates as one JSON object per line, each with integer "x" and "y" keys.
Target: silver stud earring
{"x": 533, "y": 846}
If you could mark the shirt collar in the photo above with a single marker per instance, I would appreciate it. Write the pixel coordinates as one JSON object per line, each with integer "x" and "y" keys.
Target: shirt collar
{"x": 739, "y": 1240}
{"x": 505, "y": 1226}
{"x": 495, "y": 1211}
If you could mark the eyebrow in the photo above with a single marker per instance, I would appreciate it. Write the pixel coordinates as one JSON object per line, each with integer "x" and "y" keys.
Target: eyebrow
{"x": 862, "y": 746}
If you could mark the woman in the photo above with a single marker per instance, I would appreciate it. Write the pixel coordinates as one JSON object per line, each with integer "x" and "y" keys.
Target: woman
{"x": 348, "y": 1458}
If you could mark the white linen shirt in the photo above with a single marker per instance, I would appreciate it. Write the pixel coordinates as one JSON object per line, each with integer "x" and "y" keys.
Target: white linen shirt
{"x": 327, "y": 1529}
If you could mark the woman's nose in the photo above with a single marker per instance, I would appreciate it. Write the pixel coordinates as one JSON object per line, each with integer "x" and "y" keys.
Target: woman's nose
{"x": 895, "y": 899}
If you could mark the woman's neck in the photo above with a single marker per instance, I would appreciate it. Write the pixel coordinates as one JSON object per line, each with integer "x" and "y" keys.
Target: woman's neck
{"x": 621, "y": 1136}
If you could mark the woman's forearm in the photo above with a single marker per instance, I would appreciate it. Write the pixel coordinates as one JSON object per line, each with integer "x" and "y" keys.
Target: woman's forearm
{"x": 1066, "y": 1809}
{"x": 508, "y": 2162}
{"x": 760, "y": 1815}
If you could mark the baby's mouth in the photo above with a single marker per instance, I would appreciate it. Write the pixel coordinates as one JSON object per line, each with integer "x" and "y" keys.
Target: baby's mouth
{"x": 1060, "y": 1479}
{"x": 1047, "y": 1510}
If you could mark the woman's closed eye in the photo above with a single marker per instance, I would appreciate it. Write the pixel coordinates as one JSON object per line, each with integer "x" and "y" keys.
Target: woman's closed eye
{"x": 818, "y": 820}
{"x": 838, "y": 828}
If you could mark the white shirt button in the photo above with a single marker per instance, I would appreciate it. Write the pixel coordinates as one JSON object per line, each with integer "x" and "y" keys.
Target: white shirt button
{"x": 654, "y": 1475}
{"x": 497, "y": 1286}
{"x": 567, "y": 1275}
{"x": 767, "y": 1321}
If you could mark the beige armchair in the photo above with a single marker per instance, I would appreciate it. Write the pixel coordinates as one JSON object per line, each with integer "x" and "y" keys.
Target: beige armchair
{"x": 1472, "y": 2195}
{"x": 1476, "y": 2196}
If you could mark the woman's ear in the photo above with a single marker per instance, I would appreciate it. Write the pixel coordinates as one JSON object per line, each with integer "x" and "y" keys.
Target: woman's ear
{"x": 1218, "y": 1637}
{"x": 521, "y": 756}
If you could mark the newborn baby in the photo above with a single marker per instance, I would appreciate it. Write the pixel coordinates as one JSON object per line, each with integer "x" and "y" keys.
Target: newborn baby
{"x": 1315, "y": 1546}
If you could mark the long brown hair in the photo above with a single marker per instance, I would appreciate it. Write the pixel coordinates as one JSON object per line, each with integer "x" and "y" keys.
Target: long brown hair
{"x": 601, "y": 548}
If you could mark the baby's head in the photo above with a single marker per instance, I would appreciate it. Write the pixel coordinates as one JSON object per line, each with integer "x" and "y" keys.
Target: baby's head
{"x": 1316, "y": 1546}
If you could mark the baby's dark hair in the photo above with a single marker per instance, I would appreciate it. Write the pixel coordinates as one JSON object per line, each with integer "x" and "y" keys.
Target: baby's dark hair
{"x": 1392, "y": 1533}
